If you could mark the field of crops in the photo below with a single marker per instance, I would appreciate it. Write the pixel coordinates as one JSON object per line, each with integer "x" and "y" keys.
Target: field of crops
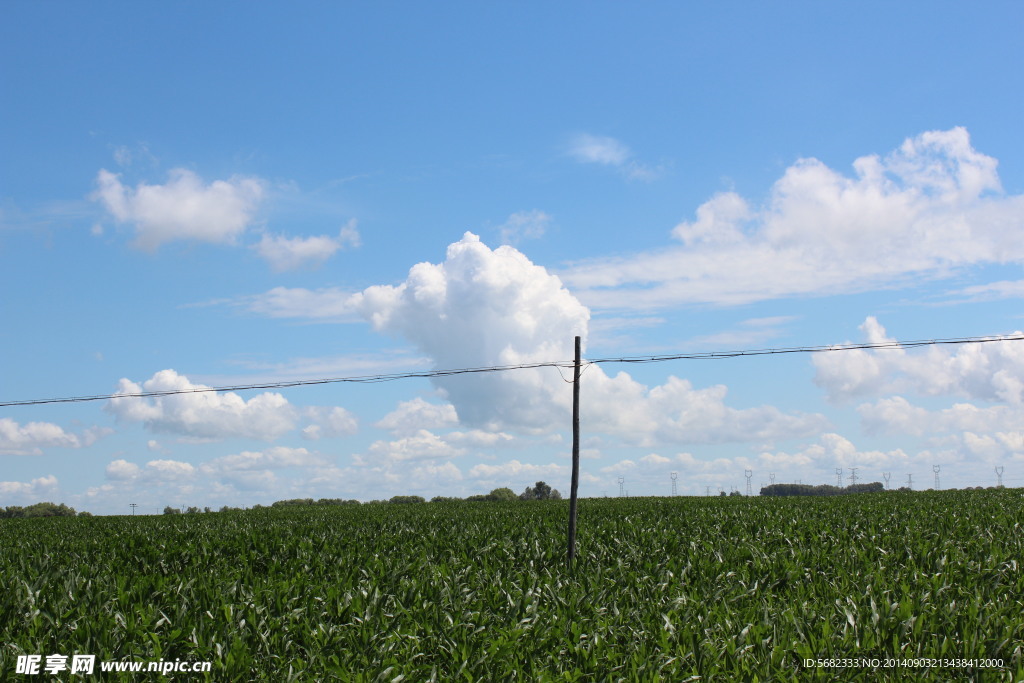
{"x": 663, "y": 589}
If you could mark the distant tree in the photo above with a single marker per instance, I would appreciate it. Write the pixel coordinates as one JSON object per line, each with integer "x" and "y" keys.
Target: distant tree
{"x": 85, "y": 513}
{"x": 540, "y": 491}
{"x": 722, "y": 494}
{"x": 407, "y": 499}
{"x": 735, "y": 493}
{"x": 443, "y": 499}
{"x": 192, "y": 510}
{"x": 822, "y": 490}
{"x": 171, "y": 511}
{"x": 503, "y": 493}
{"x": 49, "y": 510}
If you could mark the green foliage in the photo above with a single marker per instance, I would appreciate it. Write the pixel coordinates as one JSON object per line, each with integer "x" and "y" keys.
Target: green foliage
{"x": 540, "y": 491}
{"x": 37, "y": 510}
{"x": 407, "y": 499}
{"x": 503, "y": 493}
{"x": 822, "y": 490}
{"x": 663, "y": 589}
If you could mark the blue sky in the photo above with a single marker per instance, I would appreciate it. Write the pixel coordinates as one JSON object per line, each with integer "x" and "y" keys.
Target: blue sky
{"x": 226, "y": 194}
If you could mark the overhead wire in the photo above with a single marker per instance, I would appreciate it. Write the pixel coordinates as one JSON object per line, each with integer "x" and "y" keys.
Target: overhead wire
{"x": 430, "y": 374}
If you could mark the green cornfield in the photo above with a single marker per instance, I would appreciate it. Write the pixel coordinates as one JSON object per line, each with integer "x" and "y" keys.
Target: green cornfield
{"x": 892, "y": 586}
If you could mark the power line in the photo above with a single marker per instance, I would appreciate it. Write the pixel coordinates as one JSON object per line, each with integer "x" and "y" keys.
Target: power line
{"x": 429, "y": 374}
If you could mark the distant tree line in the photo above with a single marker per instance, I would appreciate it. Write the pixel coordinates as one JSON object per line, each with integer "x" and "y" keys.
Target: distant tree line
{"x": 820, "y": 490}
{"x": 41, "y": 510}
{"x": 539, "y": 491}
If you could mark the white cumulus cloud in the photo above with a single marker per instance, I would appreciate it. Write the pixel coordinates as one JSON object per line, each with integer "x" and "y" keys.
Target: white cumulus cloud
{"x": 933, "y": 205}
{"x": 207, "y": 415}
{"x": 329, "y": 422}
{"x": 32, "y": 437}
{"x": 423, "y": 445}
{"x": 834, "y": 450}
{"x": 416, "y": 414}
{"x": 29, "y": 491}
{"x": 122, "y": 470}
{"x": 516, "y": 470}
{"x": 184, "y": 208}
{"x": 294, "y": 253}
{"x": 990, "y": 371}
{"x": 482, "y": 307}
{"x": 273, "y": 458}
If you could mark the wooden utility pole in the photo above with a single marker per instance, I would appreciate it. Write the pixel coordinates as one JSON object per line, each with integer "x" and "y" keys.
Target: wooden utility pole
{"x": 575, "y": 453}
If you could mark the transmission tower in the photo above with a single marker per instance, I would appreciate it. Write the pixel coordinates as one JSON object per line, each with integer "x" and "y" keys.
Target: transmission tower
{"x": 674, "y": 475}
{"x": 771, "y": 476}
{"x": 935, "y": 469}
{"x": 999, "y": 476}
{"x": 133, "y": 506}
{"x": 839, "y": 477}
{"x": 707, "y": 491}
{"x": 622, "y": 490}
{"x": 853, "y": 476}
{"x": 910, "y": 481}
{"x": 886, "y": 475}
{"x": 748, "y": 474}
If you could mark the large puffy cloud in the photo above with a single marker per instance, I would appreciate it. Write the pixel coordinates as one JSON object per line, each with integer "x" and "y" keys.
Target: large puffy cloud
{"x": 933, "y": 204}
{"x": 207, "y": 415}
{"x": 17, "y": 439}
{"x": 481, "y": 308}
{"x": 32, "y": 437}
{"x": 484, "y": 307}
{"x": 184, "y": 208}
{"x": 990, "y": 371}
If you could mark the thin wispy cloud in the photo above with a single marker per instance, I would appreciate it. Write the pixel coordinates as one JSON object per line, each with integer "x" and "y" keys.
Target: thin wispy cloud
{"x": 305, "y": 253}
{"x": 524, "y": 225}
{"x": 607, "y": 151}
